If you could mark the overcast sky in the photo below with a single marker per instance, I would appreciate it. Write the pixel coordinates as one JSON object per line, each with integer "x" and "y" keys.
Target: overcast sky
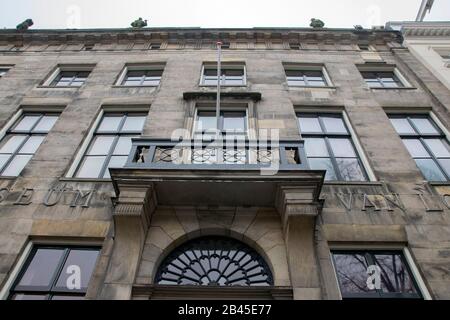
{"x": 212, "y": 13}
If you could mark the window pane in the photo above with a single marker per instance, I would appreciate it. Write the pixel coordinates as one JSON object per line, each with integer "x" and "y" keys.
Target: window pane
{"x": 101, "y": 145}
{"x": 350, "y": 169}
{"x": 3, "y": 159}
{"x": 91, "y": 167}
{"x": 430, "y": 170}
{"x": 26, "y": 123}
{"x": 42, "y": 268}
{"x": 46, "y": 123}
{"x": 351, "y": 271}
{"x": 438, "y": 147}
{"x": 309, "y": 125}
{"x": 110, "y": 124}
{"x": 424, "y": 126}
{"x": 12, "y": 144}
{"x": 402, "y": 126}
{"x": 115, "y": 162}
{"x": 395, "y": 277}
{"x": 123, "y": 146}
{"x": 445, "y": 163}
{"x": 133, "y": 124}
{"x": 205, "y": 121}
{"x": 315, "y": 147}
{"x": 416, "y": 148}
{"x": 32, "y": 144}
{"x": 16, "y": 166}
{"x": 22, "y": 296}
{"x": 234, "y": 121}
{"x": 342, "y": 148}
{"x": 85, "y": 260}
{"x": 323, "y": 164}
{"x": 334, "y": 125}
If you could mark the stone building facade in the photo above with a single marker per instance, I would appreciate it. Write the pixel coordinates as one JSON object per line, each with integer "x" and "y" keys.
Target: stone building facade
{"x": 103, "y": 195}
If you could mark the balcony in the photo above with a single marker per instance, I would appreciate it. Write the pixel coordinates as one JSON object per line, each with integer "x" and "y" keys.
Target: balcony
{"x": 195, "y": 172}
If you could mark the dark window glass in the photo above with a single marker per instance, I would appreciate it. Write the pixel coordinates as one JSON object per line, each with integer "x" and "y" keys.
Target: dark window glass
{"x": 426, "y": 143}
{"x": 110, "y": 145}
{"x": 306, "y": 78}
{"x": 382, "y": 79}
{"x": 3, "y": 72}
{"x": 50, "y": 273}
{"x": 329, "y": 146}
{"x": 359, "y": 269}
{"x": 22, "y": 141}
{"x": 230, "y": 122}
{"x": 70, "y": 79}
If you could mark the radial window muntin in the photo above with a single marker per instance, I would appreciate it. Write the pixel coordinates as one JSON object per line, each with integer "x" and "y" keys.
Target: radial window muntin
{"x": 214, "y": 261}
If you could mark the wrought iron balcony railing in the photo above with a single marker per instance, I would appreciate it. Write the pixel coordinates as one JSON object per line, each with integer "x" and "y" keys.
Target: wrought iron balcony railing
{"x": 236, "y": 155}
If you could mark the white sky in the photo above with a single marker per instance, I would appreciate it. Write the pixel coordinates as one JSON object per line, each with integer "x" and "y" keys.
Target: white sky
{"x": 212, "y": 13}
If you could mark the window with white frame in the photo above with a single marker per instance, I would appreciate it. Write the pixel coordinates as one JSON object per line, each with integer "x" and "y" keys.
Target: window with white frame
{"x": 45, "y": 274}
{"x": 141, "y": 75}
{"x": 306, "y": 75}
{"x": 329, "y": 146}
{"x": 381, "y": 274}
{"x": 426, "y": 143}
{"x": 383, "y": 77}
{"x": 231, "y": 75}
{"x": 22, "y": 141}
{"x": 111, "y": 144}
{"x": 69, "y": 76}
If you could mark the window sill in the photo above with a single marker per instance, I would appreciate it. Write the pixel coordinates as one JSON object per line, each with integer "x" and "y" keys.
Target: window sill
{"x": 120, "y": 86}
{"x": 223, "y": 85}
{"x": 392, "y": 89}
{"x": 313, "y": 87}
{"x": 439, "y": 183}
{"x": 360, "y": 183}
{"x": 84, "y": 179}
{"x": 60, "y": 87}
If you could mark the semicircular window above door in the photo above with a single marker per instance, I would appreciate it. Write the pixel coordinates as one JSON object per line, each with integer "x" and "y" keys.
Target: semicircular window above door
{"x": 214, "y": 261}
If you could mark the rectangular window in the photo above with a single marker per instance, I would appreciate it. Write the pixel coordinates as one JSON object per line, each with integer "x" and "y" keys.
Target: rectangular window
{"x": 329, "y": 146}
{"x": 386, "y": 79}
{"x": 294, "y": 46}
{"x": 111, "y": 144}
{"x": 306, "y": 76}
{"x": 231, "y": 75}
{"x": 3, "y": 71}
{"x": 47, "y": 271}
{"x": 155, "y": 46}
{"x": 231, "y": 123}
{"x": 22, "y": 141}
{"x": 374, "y": 274}
{"x": 426, "y": 143}
{"x": 70, "y": 79}
{"x": 142, "y": 78}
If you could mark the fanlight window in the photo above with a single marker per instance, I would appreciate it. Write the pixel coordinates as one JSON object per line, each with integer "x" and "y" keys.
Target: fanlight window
{"x": 214, "y": 261}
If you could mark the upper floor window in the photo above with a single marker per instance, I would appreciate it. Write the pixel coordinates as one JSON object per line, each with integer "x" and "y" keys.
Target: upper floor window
{"x": 383, "y": 77}
{"x": 3, "y": 70}
{"x": 111, "y": 144}
{"x": 231, "y": 75}
{"x": 426, "y": 143}
{"x": 69, "y": 76}
{"x": 353, "y": 269}
{"x": 294, "y": 46}
{"x": 231, "y": 123}
{"x": 136, "y": 76}
{"x": 306, "y": 76}
{"x": 329, "y": 146}
{"x": 155, "y": 46}
{"x": 45, "y": 275}
{"x": 22, "y": 141}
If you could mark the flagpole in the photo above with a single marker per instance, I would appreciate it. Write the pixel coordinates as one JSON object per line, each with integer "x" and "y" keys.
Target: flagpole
{"x": 219, "y": 78}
